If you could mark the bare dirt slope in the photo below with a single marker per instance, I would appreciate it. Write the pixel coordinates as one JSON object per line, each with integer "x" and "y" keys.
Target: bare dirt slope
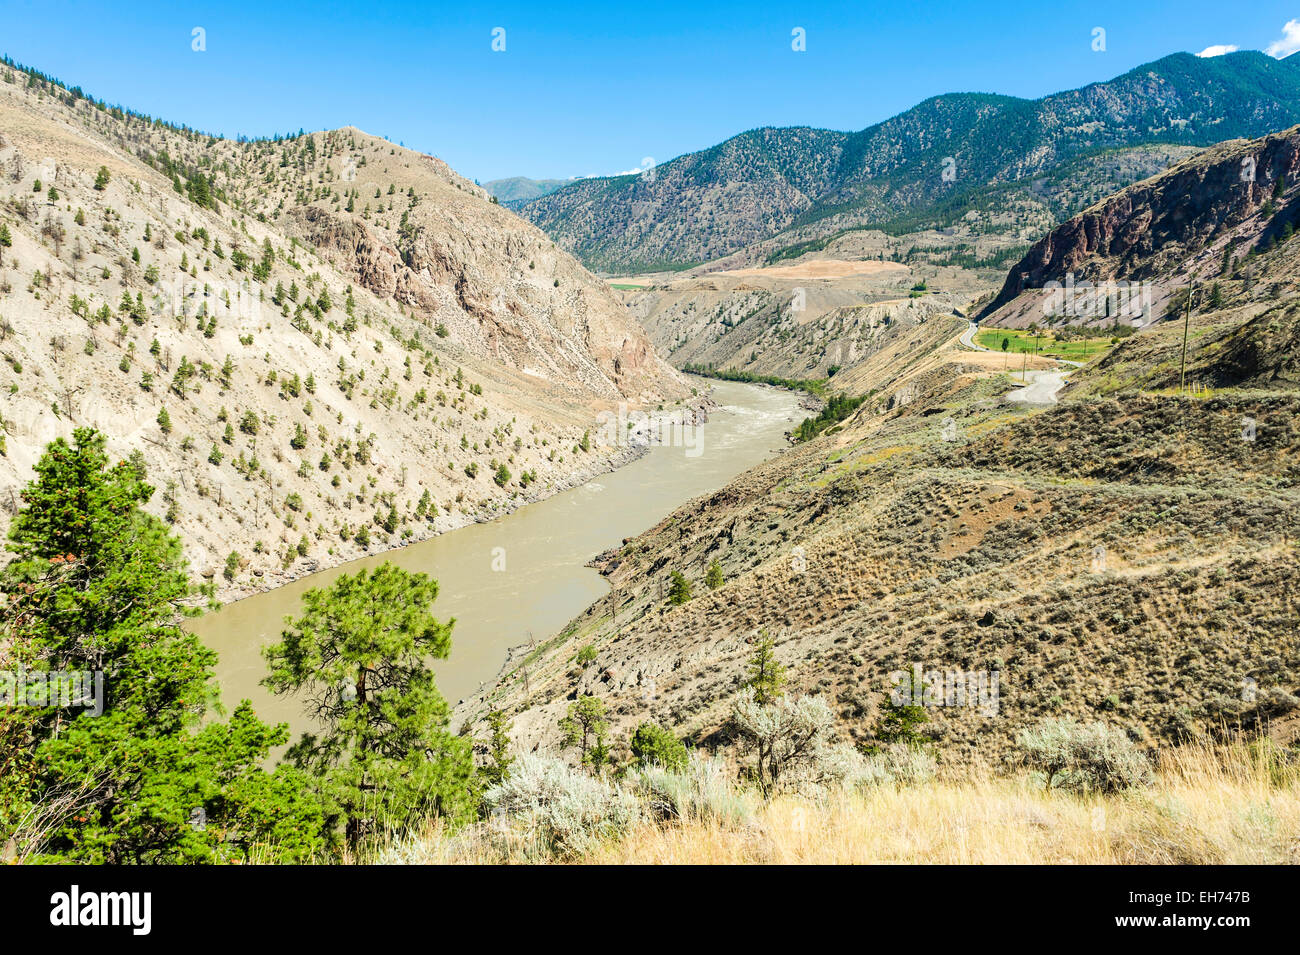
{"x": 348, "y": 340}
{"x": 814, "y": 317}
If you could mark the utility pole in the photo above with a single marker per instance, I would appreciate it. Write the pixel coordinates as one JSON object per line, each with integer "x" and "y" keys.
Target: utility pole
{"x": 1187, "y": 319}
{"x": 528, "y": 692}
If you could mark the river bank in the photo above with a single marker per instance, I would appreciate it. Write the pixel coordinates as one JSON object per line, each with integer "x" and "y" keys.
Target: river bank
{"x": 608, "y": 459}
{"x": 526, "y": 571}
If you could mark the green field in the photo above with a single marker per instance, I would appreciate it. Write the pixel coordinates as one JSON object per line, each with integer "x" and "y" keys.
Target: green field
{"x": 626, "y": 287}
{"x": 1020, "y": 340}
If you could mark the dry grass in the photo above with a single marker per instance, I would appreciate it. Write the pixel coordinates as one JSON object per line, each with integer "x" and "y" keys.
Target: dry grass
{"x": 1227, "y": 805}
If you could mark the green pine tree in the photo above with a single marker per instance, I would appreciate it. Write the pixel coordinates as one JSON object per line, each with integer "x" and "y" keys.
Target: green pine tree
{"x": 899, "y": 721}
{"x": 384, "y": 756}
{"x": 766, "y": 673}
{"x": 652, "y": 745}
{"x": 97, "y": 584}
{"x": 585, "y": 727}
{"x": 498, "y": 749}
{"x": 679, "y": 591}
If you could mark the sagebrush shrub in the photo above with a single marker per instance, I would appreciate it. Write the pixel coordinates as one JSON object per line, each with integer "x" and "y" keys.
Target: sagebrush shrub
{"x": 701, "y": 790}
{"x": 1077, "y": 758}
{"x": 792, "y": 740}
{"x": 562, "y": 810}
{"x": 895, "y": 765}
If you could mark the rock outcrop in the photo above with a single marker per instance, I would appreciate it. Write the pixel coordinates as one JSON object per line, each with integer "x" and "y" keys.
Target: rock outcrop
{"x": 1154, "y": 226}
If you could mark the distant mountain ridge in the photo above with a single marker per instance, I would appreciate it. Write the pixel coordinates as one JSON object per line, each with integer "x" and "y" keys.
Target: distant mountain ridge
{"x": 928, "y": 165}
{"x": 523, "y": 189}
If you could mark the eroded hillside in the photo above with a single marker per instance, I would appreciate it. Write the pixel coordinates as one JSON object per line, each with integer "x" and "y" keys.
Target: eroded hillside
{"x": 1204, "y": 221}
{"x": 320, "y": 345}
{"x": 817, "y": 315}
{"x": 1126, "y": 555}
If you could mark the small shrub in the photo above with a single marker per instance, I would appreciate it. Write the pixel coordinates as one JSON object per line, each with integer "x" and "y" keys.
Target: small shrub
{"x": 652, "y": 745}
{"x": 563, "y": 811}
{"x": 699, "y": 790}
{"x": 792, "y": 741}
{"x": 894, "y": 765}
{"x": 1094, "y": 758}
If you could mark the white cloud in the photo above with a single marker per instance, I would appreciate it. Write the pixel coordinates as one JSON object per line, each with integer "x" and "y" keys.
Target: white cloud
{"x": 1219, "y": 49}
{"x": 1286, "y": 44}
{"x": 607, "y": 175}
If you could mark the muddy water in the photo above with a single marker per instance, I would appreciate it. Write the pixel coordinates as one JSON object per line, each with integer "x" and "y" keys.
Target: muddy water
{"x": 542, "y": 548}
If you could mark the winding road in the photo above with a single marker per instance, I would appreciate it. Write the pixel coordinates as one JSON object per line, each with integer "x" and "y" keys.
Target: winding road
{"x": 1040, "y": 387}
{"x": 968, "y": 338}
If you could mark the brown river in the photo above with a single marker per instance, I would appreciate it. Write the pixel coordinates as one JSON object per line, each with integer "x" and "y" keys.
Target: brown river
{"x": 523, "y": 574}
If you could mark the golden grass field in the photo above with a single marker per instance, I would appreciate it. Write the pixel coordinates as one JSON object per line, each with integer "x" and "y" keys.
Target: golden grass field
{"x": 1208, "y": 806}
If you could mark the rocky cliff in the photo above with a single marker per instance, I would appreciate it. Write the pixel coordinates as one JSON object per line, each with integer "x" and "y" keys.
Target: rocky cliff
{"x": 1240, "y": 193}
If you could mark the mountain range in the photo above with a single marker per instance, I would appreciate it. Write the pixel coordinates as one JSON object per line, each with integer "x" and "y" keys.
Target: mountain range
{"x": 968, "y": 158}
{"x": 518, "y": 189}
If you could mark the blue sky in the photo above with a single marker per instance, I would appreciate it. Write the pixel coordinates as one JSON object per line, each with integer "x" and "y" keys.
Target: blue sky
{"x": 586, "y": 89}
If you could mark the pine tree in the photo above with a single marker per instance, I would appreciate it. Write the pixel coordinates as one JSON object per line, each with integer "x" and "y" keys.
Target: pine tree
{"x": 384, "y": 755}
{"x": 585, "y": 727}
{"x": 102, "y": 178}
{"x": 652, "y": 745}
{"x": 497, "y": 767}
{"x": 766, "y": 673}
{"x": 97, "y": 584}
{"x": 679, "y": 591}
{"x": 713, "y": 576}
{"x": 899, "y": 721}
